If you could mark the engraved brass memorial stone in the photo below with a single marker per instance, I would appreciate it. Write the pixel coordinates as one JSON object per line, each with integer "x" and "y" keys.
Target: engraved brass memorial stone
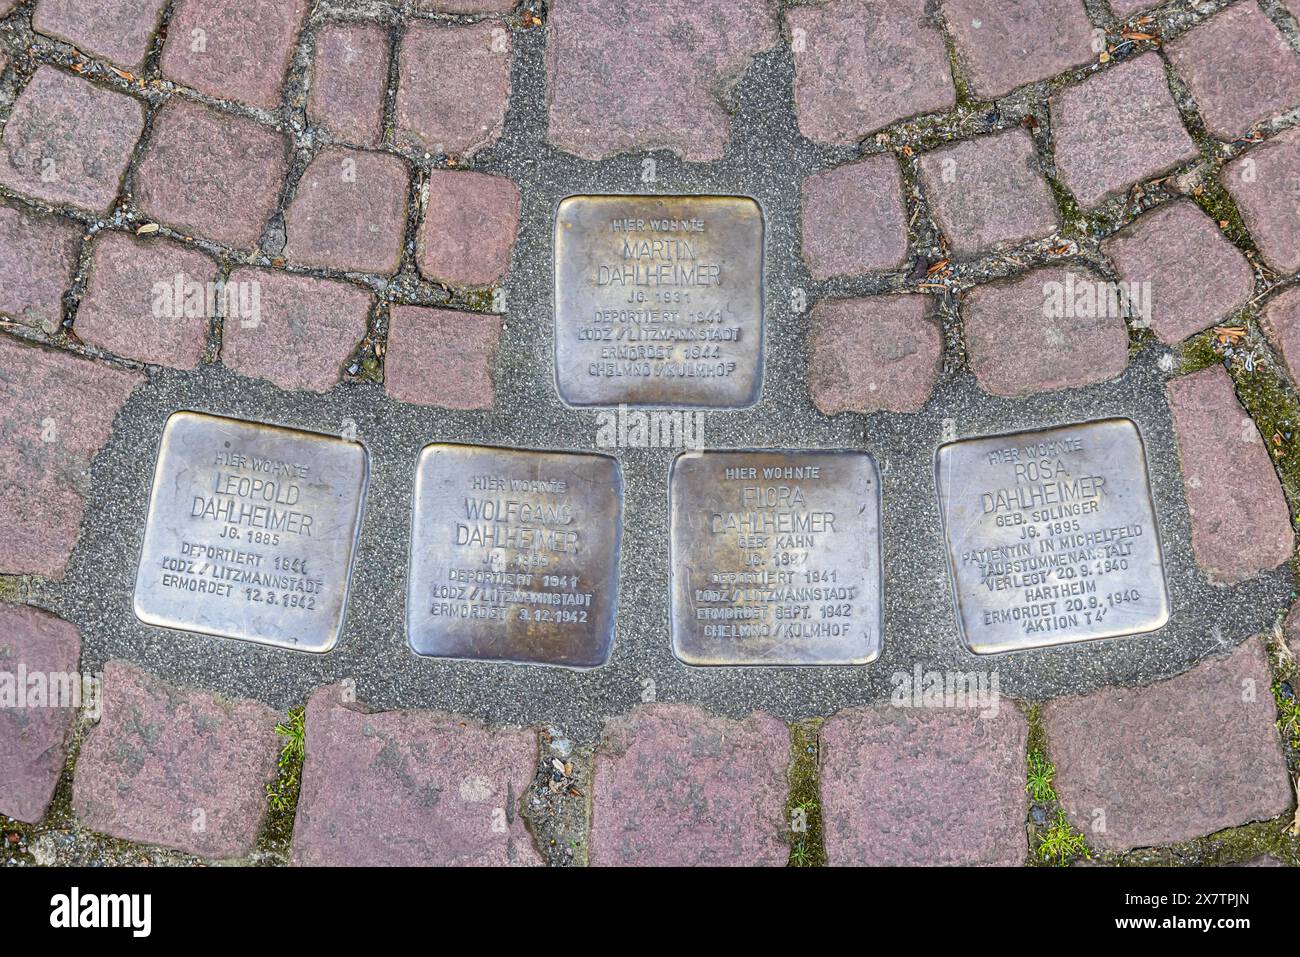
{"x": 1052, "y": 537}
{"x": 659, "y": 300}
{"x": 514, "y": 555}
{"x": 251, "y": 532}
{"x": 775, "y": 558}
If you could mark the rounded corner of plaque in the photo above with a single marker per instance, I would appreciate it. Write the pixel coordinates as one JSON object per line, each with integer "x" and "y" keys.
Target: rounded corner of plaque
{"x": 870, "y": 658}
{"x": 178, "y": 416}
{"x": 140, "y": 611}
{"x": 691, "y": 661}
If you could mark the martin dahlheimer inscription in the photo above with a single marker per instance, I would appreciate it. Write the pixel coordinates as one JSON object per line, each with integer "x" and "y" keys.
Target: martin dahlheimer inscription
{"x": 775, "y": 558}
{"x": 1052, "y": 537}
{"x": 659, "y": 300}
{"x": 251, "y": 532}
{"x": 514, "y": 555}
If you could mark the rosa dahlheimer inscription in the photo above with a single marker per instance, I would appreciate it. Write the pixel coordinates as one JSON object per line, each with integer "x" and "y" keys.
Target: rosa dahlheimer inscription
{"x": 251, "y": 532}
{"x": 1052, "y": 537}
{"x": 775, "y": 558}
{"x": 659, "y": 300}
{"x": 514, "y": 555}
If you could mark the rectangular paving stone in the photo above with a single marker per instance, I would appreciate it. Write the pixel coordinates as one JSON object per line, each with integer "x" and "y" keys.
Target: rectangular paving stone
{"x": 1052, "y": 537}
{"x": 1239, "y": 69}
{"x": 38, "y": 256}
{"x": 211, "y": 174}
{"x": 410, "y": 789}
{"x": 69, "y": 141}
{"x": 146, "y": 300}
{"x": 40, "y": 690}
{"x": 863, "y": 64}
{"x": 469, "y": 227}
{"x": 175, "y": 766}
{"x": 319, "y": 322}
{"x": 440, "y": 357}
{"x": 349, "y": 81}
{"x": 1003, "y": 44}
{"x": 1052, "y": 328}
{"x": 1280, "y": 320}
{"x": 453, "y": 86}
{"x": 234, "y": 49}
{"x": 988, "y": 192}
{"x": 659, "y": 300}
{"x": 514, "y": 555}
{"x": 1126, "y": 8}
{"x": 854, "y": 220}
{"x": 252, "y": 532}
{"x": 874, "y": 353}
{"x": 56, "y": 413}
{"x": 1174, "y": 760}
{"x": 349, "y": 212}
{"x": 466, "y": 6}
{"x": 1193, "y": 275}
{"x": 1265, "y": 183}
{"x": 685, "y": 57}
{"x": 1240, "y": 522}
{"x": 1118, "y": 128}
{"x": 904, "y": 786}
{"x": 673, "y": 786}
{"x": 776, "y": 558}
{"x": 117, "y": 30}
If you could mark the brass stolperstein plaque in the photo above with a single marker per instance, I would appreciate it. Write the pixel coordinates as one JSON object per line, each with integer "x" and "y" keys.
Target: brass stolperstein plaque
{"x": 775, "y": 558}
{"x": 251, "y": 532}
{"x": 514, "y": 555}
{"x": 1052, "y": 536}
{"x": 659, "y": 300}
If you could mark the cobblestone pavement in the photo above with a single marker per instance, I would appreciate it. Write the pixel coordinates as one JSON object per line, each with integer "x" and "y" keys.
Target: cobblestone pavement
{"x": 377, "y": 182}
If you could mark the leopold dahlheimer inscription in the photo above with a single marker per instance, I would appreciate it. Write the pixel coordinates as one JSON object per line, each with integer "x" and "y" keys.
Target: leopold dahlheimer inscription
{"x": 251, "y": 532}
{"x": 775, "y": 558}
{"x": 659, "y": 300}
{"x": 514, "y": 555}
{"x": 1052, "y": 537}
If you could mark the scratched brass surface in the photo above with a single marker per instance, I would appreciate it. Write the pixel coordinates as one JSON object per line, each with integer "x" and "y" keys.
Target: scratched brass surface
{"x": 1052, "y": 537}
{"x": 659, "y": 300}
{"x": 514, "y": 555}
{"x": 251, "y": 532}
{"x": 775, "y": 558}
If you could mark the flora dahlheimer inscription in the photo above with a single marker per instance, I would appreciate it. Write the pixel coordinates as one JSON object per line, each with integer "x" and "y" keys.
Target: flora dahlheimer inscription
{"x": 775, "y": 558}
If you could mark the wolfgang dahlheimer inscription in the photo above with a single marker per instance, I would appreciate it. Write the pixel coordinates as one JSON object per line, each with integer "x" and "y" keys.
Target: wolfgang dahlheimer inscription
{"x": 775, "y": 558}
{"x": 251, "y": 532}
{"x": 1052, "y": 537}
{"x": 514, "y": 555}
{"x": 659, "y": 300}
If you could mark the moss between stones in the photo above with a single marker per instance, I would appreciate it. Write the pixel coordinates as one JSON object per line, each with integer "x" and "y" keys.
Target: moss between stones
{"x": 282, "y": 794}
{"x": 1053, "y": 842}
{"x": 804, "y": 808}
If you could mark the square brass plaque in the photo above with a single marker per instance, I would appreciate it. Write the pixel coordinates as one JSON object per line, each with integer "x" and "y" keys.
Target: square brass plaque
{"x": 659, "y": 300}
{"x": 775, "y": 558}
{"x": 1052, "y": 537}
{"x": 514, "y": 555}
{"x": 251, "y": 533}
